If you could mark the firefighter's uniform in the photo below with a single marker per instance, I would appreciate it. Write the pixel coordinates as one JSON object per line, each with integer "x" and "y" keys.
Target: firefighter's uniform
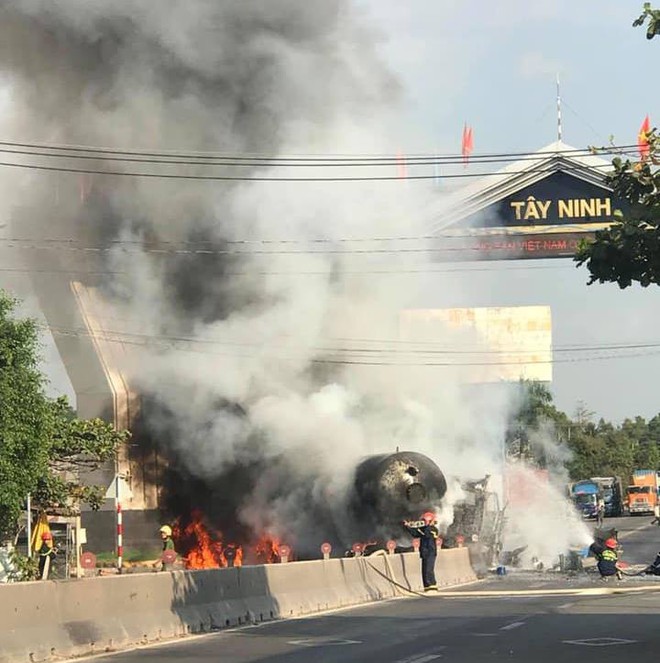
{"x": 428, "y": 551}
{"x": 607, "y": 558}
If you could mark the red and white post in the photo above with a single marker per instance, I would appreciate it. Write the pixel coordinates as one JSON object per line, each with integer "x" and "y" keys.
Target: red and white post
{"x": 120, "y": 536}
{"x": 120, "y": 526}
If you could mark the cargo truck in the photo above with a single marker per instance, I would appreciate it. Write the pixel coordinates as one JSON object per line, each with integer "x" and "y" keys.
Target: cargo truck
{"x": 643, "y": 492}
{"x": 612, "y": 492}
{"x": 585, "y": 495}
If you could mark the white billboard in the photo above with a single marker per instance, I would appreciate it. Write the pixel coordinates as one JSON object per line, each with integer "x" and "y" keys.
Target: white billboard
{"x": 484, "y": 344}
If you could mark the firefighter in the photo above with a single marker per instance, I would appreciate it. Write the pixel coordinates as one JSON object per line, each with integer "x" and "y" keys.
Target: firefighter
{"x": 427, "y": 534}
{"x": 46, "y": 554}
{"x": 166, "y": 536}
{"x": 607, "y": 558}
{"x": 168, "y": 544}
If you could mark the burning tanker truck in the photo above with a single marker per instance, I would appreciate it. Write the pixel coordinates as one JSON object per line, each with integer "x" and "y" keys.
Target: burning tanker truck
{"x": 386, "y": 490}
{"x": 391, "y": 488}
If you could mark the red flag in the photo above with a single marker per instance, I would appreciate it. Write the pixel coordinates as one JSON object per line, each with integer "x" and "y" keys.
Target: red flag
{"x": 643, "y": 140}
{"x": 467, "y": 144}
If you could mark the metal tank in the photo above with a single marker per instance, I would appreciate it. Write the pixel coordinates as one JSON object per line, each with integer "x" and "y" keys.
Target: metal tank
{"x": 393, "y": 487}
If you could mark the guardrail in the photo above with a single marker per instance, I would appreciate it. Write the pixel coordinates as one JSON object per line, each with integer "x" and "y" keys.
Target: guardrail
{"x": 51, "y": 620}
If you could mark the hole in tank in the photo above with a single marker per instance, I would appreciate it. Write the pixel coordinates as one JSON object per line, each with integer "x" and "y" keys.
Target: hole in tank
{"x": 416, "y": 493}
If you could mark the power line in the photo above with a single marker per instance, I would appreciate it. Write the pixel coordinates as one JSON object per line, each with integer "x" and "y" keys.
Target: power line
{"x": 244, "y": 158}
{"x": 412, "y": 161}
{"x": 349, "y": 362}
{"x": 120, "y": 335}
{"x": 259, "y": 178}
{"x": 257, "y": 272}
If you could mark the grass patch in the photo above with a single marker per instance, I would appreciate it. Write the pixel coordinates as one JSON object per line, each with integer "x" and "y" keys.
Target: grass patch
{"x": 130, "y": 555}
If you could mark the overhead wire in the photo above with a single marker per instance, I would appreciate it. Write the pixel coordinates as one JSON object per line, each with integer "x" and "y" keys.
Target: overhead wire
{"x": 347, "y": 272}
{"x": 344, "y": 354}
{"x": 267, "y": 178}
{"x": 303, "y": 159}
{"x": 236, "y": 162}
{"x": 73, "y": 153}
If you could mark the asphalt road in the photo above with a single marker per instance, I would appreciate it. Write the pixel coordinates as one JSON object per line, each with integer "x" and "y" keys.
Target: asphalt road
{"x": 639, "y": 539}
{"x": 521, "y": 617}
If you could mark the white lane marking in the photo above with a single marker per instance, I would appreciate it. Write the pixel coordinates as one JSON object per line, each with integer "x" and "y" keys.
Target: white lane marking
{"x": 599, "y": 642}
{"x": 625, "y": 535}
{"x": 323, "y": 642}
{"x": 565, "y": 606}
{"x": 510, "y": 627}
{"x": 586, "y": 591}
{"x": 422, "y": 658}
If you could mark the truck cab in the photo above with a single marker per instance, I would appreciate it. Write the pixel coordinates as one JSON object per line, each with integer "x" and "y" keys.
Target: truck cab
{"x": 587, "y": 504}
{"x": 641, "y": 499}
{"x": 585, "y": 496}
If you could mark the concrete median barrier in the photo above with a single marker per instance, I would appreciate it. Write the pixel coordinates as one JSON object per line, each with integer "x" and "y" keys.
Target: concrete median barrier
{"x": 48, "y": 621}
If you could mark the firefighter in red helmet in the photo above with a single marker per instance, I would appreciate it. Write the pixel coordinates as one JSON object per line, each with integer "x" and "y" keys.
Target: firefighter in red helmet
{"x": 46, "y": 554}
{"x": 607, "y": 557}
{"x": 427, "y": 533}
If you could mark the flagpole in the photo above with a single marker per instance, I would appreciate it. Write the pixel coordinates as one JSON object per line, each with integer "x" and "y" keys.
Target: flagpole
{"x": 558, "y": 112}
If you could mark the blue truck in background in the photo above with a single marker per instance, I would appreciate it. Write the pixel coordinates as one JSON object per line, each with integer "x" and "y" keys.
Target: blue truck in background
{"x": 585, "y": 495}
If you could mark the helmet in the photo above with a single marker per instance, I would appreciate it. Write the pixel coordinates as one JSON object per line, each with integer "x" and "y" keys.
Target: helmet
{"x": 428, "y": 517}
{"x": 166, "y": 530}
{"x": 611, "y": 543}
{"x": 46, "y": 536}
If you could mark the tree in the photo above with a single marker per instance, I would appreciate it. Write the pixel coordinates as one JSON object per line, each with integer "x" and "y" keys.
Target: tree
{"x": 653, "y": 18}
{"x": 535, "y": 419}
{"x": 43, "y": 446}
{"x": 76, "y": 446}
{"x": 629, "y": 250}
{"x": 24, "y": 420}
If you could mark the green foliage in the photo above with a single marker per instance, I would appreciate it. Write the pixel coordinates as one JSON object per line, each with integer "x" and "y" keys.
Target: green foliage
{"x": 535, "y": 411}
{"x": 24, "y": 568}
{"x": 24, "y": 430}
{"x": 75, "y": 445}
{"x": 608, "y": 450}
{"x": 43, "y": 446}
{"x": 585, "y": 448}
{"x": 653, "y": 18}
{"x": 629, "y": 251}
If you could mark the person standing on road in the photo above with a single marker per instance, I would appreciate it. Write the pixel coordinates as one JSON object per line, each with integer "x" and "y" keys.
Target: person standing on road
{"x": 46, "y": 554}
{"x": 656, "y": 515}
{"x": 600, "y": 512}
{"x": 427, "y": 533}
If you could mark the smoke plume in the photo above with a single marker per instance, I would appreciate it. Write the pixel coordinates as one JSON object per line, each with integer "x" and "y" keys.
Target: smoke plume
{"x": 262, "y": 315}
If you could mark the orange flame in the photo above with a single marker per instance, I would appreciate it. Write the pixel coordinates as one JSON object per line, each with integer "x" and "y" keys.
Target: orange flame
{"x": 267, "y": 550}
{"x": 200, "y": 550}
{"x": 202, "y": 547}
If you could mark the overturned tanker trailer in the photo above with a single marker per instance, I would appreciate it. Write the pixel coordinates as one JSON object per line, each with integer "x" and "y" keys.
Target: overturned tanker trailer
{"x": 391, "y": 488}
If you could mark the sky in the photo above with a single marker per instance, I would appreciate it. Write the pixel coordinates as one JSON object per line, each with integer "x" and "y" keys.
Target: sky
{"x": 494, "y": 65}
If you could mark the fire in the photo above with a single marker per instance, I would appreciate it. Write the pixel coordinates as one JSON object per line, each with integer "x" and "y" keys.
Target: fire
{"x": 267, "y": 550}
{"x": 202, "y": 550}
{"x": 202, "y": 547}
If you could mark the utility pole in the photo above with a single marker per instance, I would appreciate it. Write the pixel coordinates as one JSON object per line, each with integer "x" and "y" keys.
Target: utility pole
{"x": 29, "y": 525}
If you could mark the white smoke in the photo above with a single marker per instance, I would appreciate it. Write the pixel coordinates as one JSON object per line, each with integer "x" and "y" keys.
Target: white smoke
{"x": 270, "y": 344}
